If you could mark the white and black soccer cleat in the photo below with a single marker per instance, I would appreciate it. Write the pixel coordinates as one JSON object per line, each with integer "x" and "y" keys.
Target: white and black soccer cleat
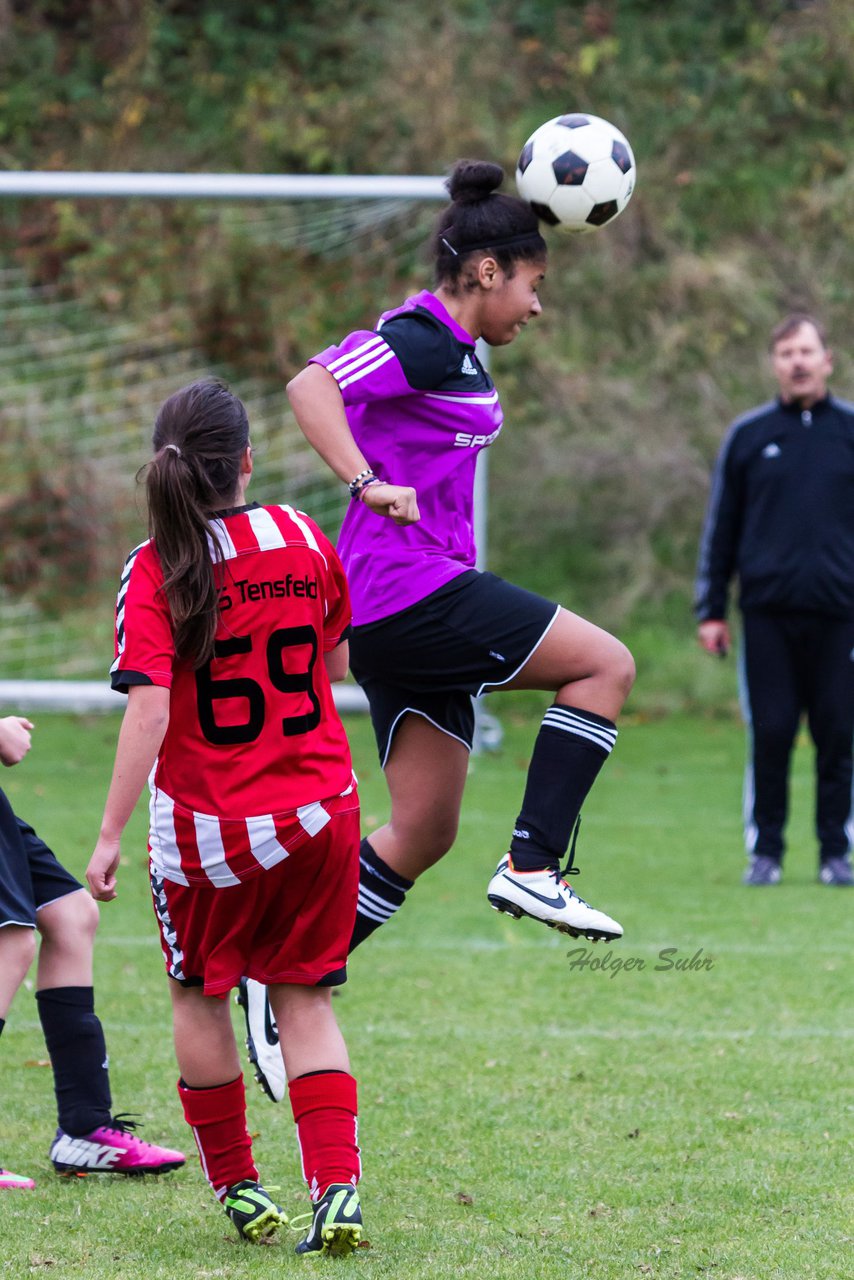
{"x": 262, "y": 1038}
{"x": 546, "y": 896}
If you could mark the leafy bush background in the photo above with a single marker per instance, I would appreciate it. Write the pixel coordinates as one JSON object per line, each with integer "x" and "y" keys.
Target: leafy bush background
{"x": 653, "y": 335}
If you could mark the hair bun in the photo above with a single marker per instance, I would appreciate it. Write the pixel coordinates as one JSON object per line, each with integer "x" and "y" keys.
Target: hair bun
{"x": 473, "y": 180}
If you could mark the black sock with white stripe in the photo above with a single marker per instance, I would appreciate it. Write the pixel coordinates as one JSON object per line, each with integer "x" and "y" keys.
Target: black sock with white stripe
{"x": 571, "y": 747}
{"x": 381, "y": 893}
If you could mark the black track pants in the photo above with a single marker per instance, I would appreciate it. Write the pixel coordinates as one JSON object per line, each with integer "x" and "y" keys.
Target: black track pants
{"x": 795, "y": 663}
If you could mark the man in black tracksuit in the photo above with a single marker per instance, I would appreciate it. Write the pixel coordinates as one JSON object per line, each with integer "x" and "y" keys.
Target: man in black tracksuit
{"x": 781, "y": 517}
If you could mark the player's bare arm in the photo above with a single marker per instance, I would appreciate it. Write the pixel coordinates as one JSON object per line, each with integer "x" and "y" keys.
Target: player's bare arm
{"x": 337, "y": 661}
{"x": 319, "y": 411}
{"x": 140, "y": 737}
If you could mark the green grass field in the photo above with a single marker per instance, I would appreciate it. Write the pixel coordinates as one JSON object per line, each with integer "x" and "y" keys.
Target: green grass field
{"x": 523, "y": 1114}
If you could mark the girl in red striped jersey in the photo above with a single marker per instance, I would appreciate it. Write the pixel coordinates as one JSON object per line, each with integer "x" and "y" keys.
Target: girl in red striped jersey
{"x": 230, "y": 624}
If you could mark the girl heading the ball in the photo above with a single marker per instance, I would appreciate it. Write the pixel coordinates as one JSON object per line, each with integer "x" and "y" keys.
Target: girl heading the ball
{"x": 400, "y": 413}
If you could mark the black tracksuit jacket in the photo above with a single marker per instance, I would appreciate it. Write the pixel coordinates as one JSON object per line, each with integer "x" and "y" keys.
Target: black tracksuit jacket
{"x": 781, "y": 513}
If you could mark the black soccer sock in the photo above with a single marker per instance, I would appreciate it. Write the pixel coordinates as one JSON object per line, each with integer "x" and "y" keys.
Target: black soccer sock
{"x": 570, "y": 749}
{"x": 381, "y": 893}
{"x": 2, "y": 1025}
{"x": 78, "y": 1055}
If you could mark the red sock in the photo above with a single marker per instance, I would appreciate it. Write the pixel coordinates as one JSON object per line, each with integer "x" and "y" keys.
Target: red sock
{"x": 326, "y": 1115}
{"x": 217, "y": 1117}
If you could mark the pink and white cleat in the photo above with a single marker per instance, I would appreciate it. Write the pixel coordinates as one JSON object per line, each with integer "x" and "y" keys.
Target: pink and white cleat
{"x": 14, "y": 1182}
{"x": 111, "y": 1148}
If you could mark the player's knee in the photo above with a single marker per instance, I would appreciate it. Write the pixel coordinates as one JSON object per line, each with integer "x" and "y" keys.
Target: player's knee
{"x": 86, "y": 914}
{"x": 72, "y": 920}
{"x": 443, "y": 837}
{"x": 90, "y": 915}
{"x": 18, "y": 950}
{"x": 427, "y": 838}
{"x": 615, "y": 668}
{"x": 622, "y": 667}
{"x": 25, "y": 947}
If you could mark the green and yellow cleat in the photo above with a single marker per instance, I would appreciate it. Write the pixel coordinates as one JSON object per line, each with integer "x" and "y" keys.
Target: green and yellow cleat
{"x": 336, "y": 1228}
{"x": 255, "y": 1215}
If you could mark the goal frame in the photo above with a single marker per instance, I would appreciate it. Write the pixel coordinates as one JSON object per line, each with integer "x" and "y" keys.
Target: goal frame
{"x": 92, "y": 695}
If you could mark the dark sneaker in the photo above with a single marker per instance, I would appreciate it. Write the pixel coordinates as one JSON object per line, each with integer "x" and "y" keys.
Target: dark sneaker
{"x": 337, "y": 1225}
{"x": 262, "y": 1038}
{"x": 255, "y": 1215}
{"x": 111, "y": 1148}
{"x": 836, "y": 871}
{"x": 762, "y": 870}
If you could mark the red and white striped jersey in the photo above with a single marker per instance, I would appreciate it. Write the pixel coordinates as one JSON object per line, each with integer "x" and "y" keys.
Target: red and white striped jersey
{"x": 254, "y": 744}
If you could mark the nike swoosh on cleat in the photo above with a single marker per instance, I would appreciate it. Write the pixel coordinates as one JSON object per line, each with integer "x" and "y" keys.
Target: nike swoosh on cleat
{"x": 556, "y": 901}
{"x": 271, "y": 1032}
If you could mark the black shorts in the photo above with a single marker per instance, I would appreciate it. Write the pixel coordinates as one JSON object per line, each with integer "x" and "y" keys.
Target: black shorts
{"x": 30, "y": 875}
{"x": 469, "y": 637}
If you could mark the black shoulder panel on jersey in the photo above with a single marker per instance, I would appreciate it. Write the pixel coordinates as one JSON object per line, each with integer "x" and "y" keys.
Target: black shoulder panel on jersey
{"x": 121, "y": 681}
{"x": 424, "y": 346}
{"x": 431, "y": 355}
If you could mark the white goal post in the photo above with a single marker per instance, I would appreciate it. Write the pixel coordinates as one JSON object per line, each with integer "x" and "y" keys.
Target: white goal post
{"x": 93, "y": 695}
{"x": 58, "y": 184}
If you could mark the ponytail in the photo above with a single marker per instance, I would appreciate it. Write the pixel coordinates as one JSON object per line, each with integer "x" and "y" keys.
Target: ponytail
{"x": 200, "y": 437}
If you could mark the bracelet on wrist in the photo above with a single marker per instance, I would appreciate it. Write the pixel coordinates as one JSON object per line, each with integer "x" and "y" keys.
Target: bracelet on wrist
{"x": 360, "y": 493}
{"x": 358, "y": 481}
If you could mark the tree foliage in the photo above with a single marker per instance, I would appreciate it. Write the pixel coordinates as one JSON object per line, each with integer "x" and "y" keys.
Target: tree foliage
{"x": 740, "y": 117}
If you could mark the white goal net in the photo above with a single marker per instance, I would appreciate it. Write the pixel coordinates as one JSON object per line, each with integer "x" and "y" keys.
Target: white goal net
{"x": 79, "y": 388}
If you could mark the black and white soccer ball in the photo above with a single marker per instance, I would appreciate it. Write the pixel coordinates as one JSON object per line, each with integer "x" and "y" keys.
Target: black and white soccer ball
{"x": 577, "y": 172}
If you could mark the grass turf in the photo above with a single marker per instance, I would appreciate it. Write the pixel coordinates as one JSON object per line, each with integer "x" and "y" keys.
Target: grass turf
{"x": 524, "y": 1112}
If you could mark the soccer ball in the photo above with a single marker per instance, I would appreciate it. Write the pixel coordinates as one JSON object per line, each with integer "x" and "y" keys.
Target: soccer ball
{"x": 577, "y": 172}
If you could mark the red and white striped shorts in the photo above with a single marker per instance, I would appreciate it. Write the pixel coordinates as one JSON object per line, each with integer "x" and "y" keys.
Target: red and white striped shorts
{"x": 290, "y": 923}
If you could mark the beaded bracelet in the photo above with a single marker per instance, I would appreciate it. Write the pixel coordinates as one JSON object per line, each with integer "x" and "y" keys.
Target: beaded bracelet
{"x": 358, "y": 482}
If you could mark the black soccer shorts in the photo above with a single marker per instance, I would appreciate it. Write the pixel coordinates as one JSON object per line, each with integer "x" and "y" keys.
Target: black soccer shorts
{"x": 30, "y": 875}
{"x": 471, "y": 636}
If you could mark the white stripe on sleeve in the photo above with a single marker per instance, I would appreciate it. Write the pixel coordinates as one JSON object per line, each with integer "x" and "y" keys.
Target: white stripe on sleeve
{"x": 363, "y": 373}
{"x": 362, "y": 352}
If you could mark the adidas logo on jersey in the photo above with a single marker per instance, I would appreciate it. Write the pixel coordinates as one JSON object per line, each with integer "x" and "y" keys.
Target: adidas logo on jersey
{"x": 467, "y": 367}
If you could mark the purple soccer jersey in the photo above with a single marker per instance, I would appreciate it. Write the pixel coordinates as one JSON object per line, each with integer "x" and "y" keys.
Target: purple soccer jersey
{"x": 421, "y": 407}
